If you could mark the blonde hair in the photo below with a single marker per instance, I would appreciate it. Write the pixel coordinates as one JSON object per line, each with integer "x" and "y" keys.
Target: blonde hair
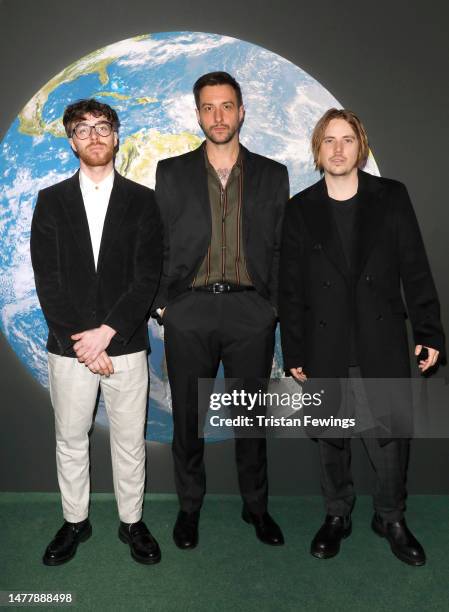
{"x": 354, "y": 122}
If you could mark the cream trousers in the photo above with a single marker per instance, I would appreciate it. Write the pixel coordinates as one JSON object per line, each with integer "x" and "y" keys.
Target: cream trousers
{"x": 73, "y": 391}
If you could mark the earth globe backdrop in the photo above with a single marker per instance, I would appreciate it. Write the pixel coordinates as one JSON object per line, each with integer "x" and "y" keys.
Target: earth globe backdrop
{"x": 148, "y": 80}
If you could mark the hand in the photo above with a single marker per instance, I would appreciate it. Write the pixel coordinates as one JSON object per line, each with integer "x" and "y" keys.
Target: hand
{"x": 102, "y": 365}
{"x": 298, "y": 374}
{"x": 92, "y": 342}
{"x": 432, "y": 357}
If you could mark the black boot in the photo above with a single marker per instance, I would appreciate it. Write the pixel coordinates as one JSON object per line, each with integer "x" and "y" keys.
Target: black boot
{"x": 63, "y": 546}
{"x": 326, "y": 543}
{"x": 402, "y": 541}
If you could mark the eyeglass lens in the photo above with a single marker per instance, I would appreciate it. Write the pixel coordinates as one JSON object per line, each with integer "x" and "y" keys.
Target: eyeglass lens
{"x": 83, "y": 130}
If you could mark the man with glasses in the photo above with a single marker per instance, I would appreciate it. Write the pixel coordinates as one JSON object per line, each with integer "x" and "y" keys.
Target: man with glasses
{"x": 96, "y": 253}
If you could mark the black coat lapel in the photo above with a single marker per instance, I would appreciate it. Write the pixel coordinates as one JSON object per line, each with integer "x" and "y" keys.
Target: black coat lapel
{"x": 320, "y": 221}
{"x": 196, "y": 173}
{"x": 76, "y": 215}
{"x": 118, "y": 203}
{"x": 251, "y": 177}
{"x": 369, "y": 221}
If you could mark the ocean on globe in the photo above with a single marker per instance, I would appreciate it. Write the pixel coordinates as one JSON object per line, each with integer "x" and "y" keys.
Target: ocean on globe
{"x": 148, "y": 80}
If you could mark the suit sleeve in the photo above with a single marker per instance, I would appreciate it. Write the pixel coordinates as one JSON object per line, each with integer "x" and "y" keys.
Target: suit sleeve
{"x": 282, "y": 195}
{"x": 417, "y": 281}
{"x": 291, "y": 289}
{"x": 133, "y": 306}
{"x": 163, "y": 201}
{"x": 62, "y": 318}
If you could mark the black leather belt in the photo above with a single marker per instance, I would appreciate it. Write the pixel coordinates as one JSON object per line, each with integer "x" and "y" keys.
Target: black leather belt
{"x": 222, "y": 288}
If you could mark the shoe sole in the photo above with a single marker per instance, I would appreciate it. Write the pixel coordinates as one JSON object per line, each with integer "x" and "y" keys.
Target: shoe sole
{"x": 324, "y": 555}
{"x": 249, "y": 521}
{"x": 54, "y": 562}
{"x": 378, "y": 531}
{"x": 143, "y": 560}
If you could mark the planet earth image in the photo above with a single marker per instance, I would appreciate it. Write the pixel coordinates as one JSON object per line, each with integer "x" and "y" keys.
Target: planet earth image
{"x": 148, "y": 80}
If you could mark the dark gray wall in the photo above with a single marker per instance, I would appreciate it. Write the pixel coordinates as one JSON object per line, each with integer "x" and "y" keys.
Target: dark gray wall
{"x": 386, "y": 60}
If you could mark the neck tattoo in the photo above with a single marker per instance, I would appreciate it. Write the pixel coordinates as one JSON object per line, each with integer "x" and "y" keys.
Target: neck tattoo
{"x": 223, "y": 175}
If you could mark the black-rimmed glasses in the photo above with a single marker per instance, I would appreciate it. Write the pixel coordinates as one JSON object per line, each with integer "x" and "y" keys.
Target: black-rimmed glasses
{"x": 84, "y": 130}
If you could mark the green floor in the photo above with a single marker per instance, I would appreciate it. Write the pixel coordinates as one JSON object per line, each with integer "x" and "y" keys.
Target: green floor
{"x": 231, "y": 569}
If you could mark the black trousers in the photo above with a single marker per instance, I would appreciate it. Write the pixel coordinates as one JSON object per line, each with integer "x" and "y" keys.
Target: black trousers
{"x": 389, "y": 462}
{"x": 201, "y": 329}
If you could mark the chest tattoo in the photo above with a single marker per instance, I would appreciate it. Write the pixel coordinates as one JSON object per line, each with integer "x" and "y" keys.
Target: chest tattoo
{"x": 223, "y": 175}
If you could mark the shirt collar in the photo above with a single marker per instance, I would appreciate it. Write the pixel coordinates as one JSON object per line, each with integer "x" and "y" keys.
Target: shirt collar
{"x": 88, "y": 185}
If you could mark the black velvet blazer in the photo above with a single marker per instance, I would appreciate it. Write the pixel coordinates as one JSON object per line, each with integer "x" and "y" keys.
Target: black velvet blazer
{"x": 73, "y": 295}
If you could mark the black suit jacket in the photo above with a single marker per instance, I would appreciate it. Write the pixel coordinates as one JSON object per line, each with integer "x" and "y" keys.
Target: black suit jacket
{"x": 319, "y": 296}
{"x": 183, "y": 198}
{"x": 73, "y": 295}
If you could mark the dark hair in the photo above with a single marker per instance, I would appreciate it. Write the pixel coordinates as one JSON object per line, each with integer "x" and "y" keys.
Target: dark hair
{"x": 78, "y": 110}
{"x": 216, "y": 78}
{"x": 358, "y": 127}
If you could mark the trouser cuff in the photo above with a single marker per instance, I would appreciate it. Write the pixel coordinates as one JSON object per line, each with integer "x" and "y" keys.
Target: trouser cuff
{"x": 75, "y": 518}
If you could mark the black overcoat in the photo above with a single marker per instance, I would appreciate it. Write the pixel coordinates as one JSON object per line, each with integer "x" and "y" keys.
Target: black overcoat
{"x": 320, "y": 297}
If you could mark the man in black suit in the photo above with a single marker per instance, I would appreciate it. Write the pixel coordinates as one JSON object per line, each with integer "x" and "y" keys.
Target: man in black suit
{"x": 348, "y": 242}
{"x": 222, "y": 208}
{"x": 96, "y": 249}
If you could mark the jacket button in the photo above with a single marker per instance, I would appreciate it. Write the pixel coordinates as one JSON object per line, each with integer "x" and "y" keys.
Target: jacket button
{"x": 369, "y": 278}
{"x": 379, "y": 318}
{"x": 326, "y": 284}
{"x": 317, "y": 247}
{"x": 322, "y": 323}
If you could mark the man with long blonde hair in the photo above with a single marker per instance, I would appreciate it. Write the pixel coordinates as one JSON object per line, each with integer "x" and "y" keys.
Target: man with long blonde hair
{"x": 349, "y": 242}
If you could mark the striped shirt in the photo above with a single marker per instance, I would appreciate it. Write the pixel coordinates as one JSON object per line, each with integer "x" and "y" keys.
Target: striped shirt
{"x": 225, "y": 257}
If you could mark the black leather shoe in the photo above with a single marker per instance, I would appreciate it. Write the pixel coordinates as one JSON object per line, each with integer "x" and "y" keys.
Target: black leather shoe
{"x": 402, "y": 541}
{"x": 185, "y": 531}
{"x": 267, "y": 530}
{"x": 326, "y": 543}
{"x": 142, "y": 544}
{"x": 63, "y": 546}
